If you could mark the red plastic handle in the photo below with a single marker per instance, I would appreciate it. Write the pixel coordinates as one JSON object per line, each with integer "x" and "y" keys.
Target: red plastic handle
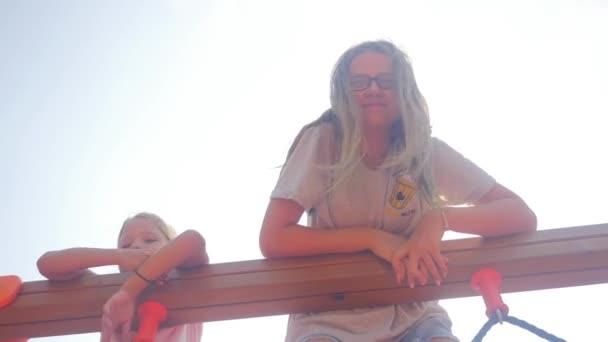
{"x": 9, "y": 289}
{"x": 487, "y": 282}
{"x": 150, "y": 315}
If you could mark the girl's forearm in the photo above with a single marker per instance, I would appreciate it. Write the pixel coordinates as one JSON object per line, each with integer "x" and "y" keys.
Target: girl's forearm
{"x": 70, "y": 263}
{"x": 499, "y": 217}
{"x": 188, "y": 249}
{"x": 296, "y": 240}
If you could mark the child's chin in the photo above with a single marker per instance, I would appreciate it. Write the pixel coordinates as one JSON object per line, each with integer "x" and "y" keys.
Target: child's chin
{"x": 377, "y": 119}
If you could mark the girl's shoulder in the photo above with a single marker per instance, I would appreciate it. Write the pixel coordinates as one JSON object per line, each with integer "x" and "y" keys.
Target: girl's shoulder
{"x": 318, "y": 138}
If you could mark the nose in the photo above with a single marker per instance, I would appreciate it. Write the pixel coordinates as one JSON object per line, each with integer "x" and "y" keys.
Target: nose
{"x": 373, "y": 89}
{"x": 137, "y": 244}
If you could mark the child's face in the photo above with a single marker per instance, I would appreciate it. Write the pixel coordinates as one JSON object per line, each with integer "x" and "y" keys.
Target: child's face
{"x": 141, "y": 233}
{"x": 376, "y": 99}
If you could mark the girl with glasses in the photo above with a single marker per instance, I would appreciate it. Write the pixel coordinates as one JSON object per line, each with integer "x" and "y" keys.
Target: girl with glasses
{"x": 370, "y": 176}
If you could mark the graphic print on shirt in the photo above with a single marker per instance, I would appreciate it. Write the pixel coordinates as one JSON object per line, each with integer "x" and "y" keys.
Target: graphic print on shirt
{"x": 403, "y": 190}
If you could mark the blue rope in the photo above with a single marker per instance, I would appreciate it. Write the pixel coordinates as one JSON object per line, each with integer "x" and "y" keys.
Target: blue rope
{"x": 518, "y": 322}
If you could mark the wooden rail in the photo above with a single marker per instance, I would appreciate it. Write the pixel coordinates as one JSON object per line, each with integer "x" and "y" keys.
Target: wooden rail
{"x": 539, "y": 260}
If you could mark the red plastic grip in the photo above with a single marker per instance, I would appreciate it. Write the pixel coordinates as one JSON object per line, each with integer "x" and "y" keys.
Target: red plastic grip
{"x": 150, "y": 315}
{"x": 487, "y": 282}
{"x": 9, "y": 289}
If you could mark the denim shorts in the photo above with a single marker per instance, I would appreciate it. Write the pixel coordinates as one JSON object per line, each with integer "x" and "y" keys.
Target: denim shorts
{"x": 423, "y": 331}
{"x": 428, "y": 328}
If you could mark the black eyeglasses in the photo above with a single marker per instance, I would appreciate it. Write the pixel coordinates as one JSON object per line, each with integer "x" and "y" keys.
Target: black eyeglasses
{"x": 362, "y": 82}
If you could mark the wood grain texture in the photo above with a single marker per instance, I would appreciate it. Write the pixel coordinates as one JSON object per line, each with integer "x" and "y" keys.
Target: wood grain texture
{"x": 539, "y": 260}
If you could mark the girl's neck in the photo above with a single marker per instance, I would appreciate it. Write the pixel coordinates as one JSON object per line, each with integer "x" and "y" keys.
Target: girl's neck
{"x": 376, "y": 146}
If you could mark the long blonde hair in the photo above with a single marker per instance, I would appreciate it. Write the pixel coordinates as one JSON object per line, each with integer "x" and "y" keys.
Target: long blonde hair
{"x": 410, "y": 136}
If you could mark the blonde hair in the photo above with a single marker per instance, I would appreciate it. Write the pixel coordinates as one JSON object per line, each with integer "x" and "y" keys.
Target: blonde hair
{"x": 167, "y": 230}
{"x": 410, "y": 136}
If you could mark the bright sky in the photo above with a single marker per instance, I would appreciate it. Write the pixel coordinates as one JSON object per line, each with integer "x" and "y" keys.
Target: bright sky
{"x": 185, "y": 108}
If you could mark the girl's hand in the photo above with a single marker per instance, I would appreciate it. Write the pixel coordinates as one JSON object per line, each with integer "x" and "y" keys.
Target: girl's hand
{"x": 423, "y": 252}
{"x": 386, "y": 245}
{"x": 117, "y": 317}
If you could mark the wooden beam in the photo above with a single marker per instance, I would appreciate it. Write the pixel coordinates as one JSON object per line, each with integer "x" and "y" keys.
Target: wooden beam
{"x": 539, "y": 260}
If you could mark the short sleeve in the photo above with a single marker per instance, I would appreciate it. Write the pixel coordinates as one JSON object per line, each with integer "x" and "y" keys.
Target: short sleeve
{"x": 305, "y": 176}
{"x": 457, "y": 179}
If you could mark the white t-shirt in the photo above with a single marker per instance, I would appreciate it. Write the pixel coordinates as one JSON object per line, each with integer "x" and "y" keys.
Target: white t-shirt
{"x": 386, "y": 199}
{"x": 181, "y": 333}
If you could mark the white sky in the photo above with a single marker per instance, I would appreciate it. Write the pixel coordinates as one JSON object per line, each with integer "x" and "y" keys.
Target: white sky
{"x": 185, "y": 109}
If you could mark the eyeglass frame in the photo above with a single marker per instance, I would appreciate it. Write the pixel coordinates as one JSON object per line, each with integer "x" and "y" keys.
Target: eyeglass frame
{"x": 377, "y": 79}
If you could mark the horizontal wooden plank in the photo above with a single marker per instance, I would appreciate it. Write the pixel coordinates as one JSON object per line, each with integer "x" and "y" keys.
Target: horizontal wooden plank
{"x": 539, "y": 260}
{"x": 309, "y": 304}
{"x": 252, "y": 266}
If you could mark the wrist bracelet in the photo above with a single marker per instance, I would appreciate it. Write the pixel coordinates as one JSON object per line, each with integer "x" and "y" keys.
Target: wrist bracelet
{"x": 144, "y": 278}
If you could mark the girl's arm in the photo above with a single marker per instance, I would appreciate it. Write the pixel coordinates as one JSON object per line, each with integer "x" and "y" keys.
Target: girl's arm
{"x": 499, "y": 212}
{"x": 185, "y": 251}
{"x": 282, "y": 236}
{"x": 72, "y": 263}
